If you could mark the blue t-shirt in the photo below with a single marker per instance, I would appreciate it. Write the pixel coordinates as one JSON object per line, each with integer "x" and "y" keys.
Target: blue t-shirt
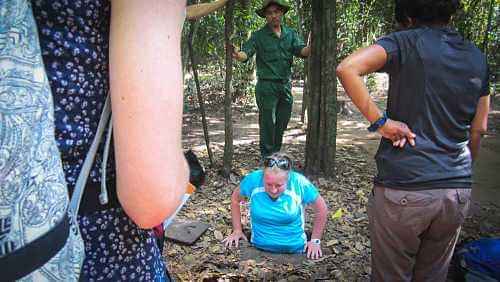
{"x": 278, "y": 225}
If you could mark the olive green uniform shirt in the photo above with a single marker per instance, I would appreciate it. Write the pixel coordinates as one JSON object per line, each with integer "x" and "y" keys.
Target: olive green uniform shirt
{"x": 274, "y": 54}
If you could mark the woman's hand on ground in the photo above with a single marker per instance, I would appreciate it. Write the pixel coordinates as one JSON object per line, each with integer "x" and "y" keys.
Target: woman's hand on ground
{"x": 313, "y": 250}
{"x": 398, "y": 132}
{"x": 234, "y": 238}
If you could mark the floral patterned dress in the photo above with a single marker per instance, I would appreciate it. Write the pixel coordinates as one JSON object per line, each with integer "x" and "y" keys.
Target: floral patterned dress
{"x": 74, "y": 37}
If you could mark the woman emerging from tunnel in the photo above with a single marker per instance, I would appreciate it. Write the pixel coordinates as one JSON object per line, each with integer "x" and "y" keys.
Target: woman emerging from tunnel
{"x": 278, "y": 197}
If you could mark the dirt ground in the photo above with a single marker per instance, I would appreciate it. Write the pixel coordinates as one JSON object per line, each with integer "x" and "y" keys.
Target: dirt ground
{"x": 346, "y": 235}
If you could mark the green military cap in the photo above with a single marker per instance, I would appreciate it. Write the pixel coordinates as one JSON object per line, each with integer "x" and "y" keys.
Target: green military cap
{"x": 282, "y": 3}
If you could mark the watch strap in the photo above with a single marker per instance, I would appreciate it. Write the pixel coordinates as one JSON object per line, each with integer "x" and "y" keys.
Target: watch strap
{"x": 378, "y": 123}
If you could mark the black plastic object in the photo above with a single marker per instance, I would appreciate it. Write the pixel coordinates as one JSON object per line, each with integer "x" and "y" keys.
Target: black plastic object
{"x": 196, "y": 171}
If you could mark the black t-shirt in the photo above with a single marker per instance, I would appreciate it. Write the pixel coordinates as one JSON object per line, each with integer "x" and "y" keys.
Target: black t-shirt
{"x": 435, "y": 81}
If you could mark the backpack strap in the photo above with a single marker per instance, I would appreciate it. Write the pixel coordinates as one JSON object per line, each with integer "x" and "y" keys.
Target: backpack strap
{"x": 89, "y": 159}
{"x": 35, "y": 254}
{"x": 48, "y": 245}
{"x": 103, "y": 197}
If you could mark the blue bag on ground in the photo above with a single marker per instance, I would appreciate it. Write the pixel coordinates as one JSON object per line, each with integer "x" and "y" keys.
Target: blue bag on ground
{"x": 480, "y": 260}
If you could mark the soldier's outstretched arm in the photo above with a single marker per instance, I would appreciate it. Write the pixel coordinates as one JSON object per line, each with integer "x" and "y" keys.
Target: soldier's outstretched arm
{"x": 306, "y": 51}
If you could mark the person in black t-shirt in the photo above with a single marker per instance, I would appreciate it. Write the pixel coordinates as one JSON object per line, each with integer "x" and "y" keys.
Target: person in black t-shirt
{"x": 437, "y": 110}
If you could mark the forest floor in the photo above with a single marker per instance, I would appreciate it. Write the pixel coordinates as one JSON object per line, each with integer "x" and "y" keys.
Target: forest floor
{"x": 346, "y": 238}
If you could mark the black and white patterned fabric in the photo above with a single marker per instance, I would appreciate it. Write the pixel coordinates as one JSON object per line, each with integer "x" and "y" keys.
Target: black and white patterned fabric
{"x": 33, "y": 193}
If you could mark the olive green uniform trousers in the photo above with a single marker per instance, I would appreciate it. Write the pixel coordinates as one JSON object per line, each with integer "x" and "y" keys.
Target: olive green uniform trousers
{"x": 275, "y": 101}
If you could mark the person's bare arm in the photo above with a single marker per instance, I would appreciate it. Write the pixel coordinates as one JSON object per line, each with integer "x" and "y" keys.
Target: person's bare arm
{"x": 237, "y": 54}
{"x": 237, "y": 233}
{"x": 479, "y": 126}
{"x": 146, "y": 98}
{"x": 306, "y": 51}
{"x": 235, "y": 210}
{"x": 313, "y": 251}
{"x": 320, "y": 217}
{"x": 240, "y": 56}
{"x": 350, "y": 72}
{"x": 197, "y": 11}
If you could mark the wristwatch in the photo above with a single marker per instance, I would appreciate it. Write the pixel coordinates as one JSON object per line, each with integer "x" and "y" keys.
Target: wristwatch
{"x": 316, "y": 241}
{"x": 378, "y": 123}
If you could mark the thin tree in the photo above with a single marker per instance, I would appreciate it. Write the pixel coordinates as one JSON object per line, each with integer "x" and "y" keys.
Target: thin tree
{"x": 484, "y": 46}
{"x": 201, "y": 102}
{"x": 322, "y": 113}
{"x": 228, "y": 113}
{"x": 303, "y": 30}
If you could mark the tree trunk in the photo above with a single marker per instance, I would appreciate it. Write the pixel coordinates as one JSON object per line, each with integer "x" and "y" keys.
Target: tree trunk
{"x": 194, "y": 67}
{"x": 228, "y": 114}
{"x": 304, "y": 32}
{"x": 249, "y": 69}
{"x": 322, "y": 116}
{"x": 305, "y": 92}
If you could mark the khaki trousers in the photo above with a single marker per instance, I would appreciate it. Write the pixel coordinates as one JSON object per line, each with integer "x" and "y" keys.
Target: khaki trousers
{"x": 413, "y": 234}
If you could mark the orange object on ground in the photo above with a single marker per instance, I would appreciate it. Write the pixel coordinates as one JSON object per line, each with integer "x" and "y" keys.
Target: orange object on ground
{"x": 159, "y": 230}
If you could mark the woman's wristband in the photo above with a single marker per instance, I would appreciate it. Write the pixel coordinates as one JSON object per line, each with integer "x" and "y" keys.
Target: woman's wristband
{"x": 378, "y": 123}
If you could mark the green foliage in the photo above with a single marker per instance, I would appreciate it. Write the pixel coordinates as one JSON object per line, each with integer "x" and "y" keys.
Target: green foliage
{"x": 478, "y": 22}
{"x": 208, "y": 44}
{"x": 371, "y": 82}
{"x": 359, "y": 24}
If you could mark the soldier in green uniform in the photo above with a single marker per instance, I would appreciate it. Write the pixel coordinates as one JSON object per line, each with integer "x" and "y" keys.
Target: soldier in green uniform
{"x": 275, "y": 45}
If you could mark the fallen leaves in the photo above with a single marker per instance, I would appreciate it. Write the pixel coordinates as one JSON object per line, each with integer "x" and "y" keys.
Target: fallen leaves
{"x": 345, "y": 238}
{"x": 338, "y": 214}
{"x": 218, "y": 235}
{"x": 346, "y": 235}
{"x": 332, "y": 242}
{"x": 189, "y": 260}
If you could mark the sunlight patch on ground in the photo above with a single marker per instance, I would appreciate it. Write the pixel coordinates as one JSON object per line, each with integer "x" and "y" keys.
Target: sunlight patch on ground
{"x": 351, "y": 124}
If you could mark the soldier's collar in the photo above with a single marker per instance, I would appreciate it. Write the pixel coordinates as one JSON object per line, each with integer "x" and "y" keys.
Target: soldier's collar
{"x": 284, "y": 29}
